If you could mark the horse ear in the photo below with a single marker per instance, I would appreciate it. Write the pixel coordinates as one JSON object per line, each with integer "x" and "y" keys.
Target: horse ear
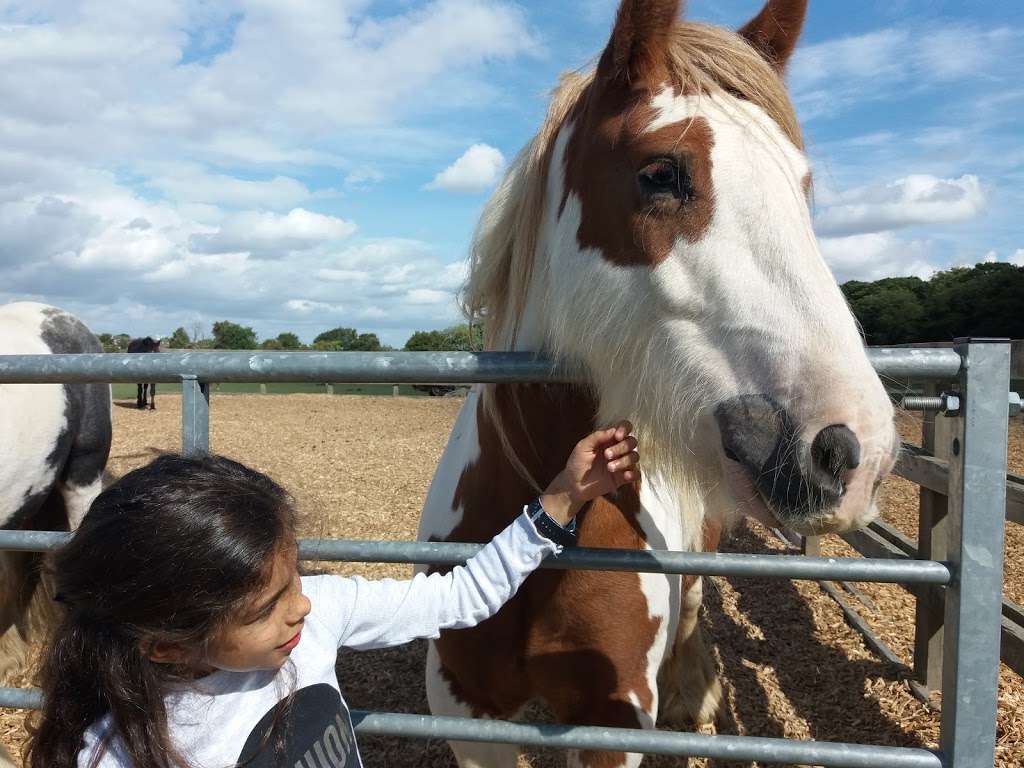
{"x": 775, "y": 30}
{"x": 636, "y": 51}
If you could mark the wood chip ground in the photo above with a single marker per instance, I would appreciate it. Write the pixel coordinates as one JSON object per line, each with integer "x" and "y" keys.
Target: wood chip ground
{"x": 359, "y": 468}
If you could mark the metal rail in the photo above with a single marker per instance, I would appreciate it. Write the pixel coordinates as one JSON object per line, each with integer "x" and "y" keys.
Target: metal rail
{"x": 589, "y": 559}
{"x": 366, "y": 367}
{"x": 739, "y": 748}
{"x": 977, "y": 491}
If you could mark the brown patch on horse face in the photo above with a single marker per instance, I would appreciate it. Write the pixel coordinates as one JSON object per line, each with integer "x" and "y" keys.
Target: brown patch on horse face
{"x": 609, "y": 149}
{"x": 805, "y": 184}
{"x": 578, "y": 639}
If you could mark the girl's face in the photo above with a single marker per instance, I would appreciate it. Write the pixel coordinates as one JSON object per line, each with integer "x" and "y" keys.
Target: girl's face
{"x": 264, "y": 634}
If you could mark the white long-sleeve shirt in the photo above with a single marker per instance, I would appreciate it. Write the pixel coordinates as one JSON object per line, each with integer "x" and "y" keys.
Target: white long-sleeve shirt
{"x": 221, "y": 720}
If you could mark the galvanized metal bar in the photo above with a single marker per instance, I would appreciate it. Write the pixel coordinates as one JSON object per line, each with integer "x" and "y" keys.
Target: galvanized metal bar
{"x": 336, "y": 367}
{"x": 367, "y": 367}
{"x": 646, "y": 561}
{"x": 726, "y": 748}
{"x": 592, "y": 559}
{"x": 731, "y": 748}
{"x": 910, "y": 363}
{"x": 195, "y": 416}
{"x": 977, "y": 498}
{"x": 21, "y": 698}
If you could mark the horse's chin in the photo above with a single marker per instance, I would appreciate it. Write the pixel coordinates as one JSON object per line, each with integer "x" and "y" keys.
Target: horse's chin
{"x": 750, "y": 502}
{"x": 747, "y": 498}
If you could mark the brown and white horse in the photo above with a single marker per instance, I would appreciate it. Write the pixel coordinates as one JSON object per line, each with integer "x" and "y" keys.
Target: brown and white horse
{"x": 656, "y": 236}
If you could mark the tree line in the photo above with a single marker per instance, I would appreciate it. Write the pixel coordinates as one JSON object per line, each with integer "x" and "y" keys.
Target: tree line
{"x": 229, "y": 335}
{"x": 983, "y": 300}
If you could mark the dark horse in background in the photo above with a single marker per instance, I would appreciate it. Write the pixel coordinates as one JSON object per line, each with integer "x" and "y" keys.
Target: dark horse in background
{"x": 148, "y": 344}
{"x": 54, "y": 444}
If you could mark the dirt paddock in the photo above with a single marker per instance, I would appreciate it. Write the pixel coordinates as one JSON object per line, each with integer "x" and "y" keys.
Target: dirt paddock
{"x": 359, "y": 468}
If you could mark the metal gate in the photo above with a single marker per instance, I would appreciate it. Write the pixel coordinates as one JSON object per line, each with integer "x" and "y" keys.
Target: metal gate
{"x": 972, "y": 575}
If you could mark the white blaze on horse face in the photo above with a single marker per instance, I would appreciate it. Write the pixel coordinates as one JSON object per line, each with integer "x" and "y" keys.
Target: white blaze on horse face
{"x": 750, "y": 308}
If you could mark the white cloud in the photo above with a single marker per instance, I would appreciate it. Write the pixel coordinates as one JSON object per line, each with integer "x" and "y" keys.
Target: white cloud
{"x": 306, "y": 307}
{"x": 427, "y": 296}
{"x": 478, "y": 169}
{"x": 829, "y": 76}
{"x": 916, "y": 199}
{"x": 194, "y": 184}
{"x": 269, "y": 233}
{"x": 1017, "y": 258}
{"x": 363, "y": 176}
{"x": 876, "y": 255}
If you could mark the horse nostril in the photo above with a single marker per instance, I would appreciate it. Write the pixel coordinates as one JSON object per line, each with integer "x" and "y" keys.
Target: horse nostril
{"x": 835, "y": 450}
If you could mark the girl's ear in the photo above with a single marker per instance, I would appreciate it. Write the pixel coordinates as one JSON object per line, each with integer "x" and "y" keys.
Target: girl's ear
{"x": 161, "y": 652}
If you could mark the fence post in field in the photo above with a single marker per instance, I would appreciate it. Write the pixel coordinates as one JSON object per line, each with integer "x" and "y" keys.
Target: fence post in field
{"x": 394, "y": 390}
{"x": 195, "y": 416}
{"x": 932, "y": 544}
{"x": 329, "y": 388}
{"x": 263, "y": 388}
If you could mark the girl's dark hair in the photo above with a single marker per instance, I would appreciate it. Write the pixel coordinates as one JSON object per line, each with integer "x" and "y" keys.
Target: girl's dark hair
{"x": 168, "y": 553}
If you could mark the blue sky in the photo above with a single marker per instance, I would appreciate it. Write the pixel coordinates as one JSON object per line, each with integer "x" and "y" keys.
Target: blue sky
{"x": 301, "y": 165}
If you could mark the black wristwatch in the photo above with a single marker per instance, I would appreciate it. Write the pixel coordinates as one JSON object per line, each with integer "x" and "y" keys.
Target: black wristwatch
{"x": 548, "y": 527}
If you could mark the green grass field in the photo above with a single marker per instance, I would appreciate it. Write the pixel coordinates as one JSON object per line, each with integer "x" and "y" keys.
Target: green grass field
{"x": 127, "y": 391}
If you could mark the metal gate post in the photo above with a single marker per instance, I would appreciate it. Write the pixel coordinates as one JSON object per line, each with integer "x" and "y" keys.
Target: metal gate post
{"x": 195, "y": 416}
{"x": 977, "y": 503}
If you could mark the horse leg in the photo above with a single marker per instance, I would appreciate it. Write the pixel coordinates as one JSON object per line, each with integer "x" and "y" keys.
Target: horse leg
{"x": 82, "y": 477}
{"x": 140, "y": 394}
{"x": 152, "y": 396}
{"x": 444, "y": 703}
{"x": 688, "y": 678}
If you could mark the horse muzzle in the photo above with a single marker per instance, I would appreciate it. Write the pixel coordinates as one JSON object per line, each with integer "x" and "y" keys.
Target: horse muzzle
{"x": 812, "y": 483}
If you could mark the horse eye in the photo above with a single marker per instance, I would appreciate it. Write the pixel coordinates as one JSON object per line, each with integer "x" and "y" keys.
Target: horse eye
{"x": 662, "y": 178}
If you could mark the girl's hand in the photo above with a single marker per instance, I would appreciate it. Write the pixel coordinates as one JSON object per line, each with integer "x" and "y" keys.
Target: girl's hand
{"x": 600, "y": 463}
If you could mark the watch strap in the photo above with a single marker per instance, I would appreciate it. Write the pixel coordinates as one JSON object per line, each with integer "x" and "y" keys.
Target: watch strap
{"x": 548, "y": 527}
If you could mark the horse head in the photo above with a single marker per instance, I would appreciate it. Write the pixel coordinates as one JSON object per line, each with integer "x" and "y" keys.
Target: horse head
{"x": 657, "y": 235}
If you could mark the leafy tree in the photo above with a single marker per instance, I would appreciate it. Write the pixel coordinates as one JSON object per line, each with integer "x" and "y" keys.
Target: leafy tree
{"x": 328, "y": 346}
{"x": 985, "y": 300}
{"x": 179, "y": 340}
{"x": 425, "y": 341}
{"x": 346, "y": 340}
{"x": 346, "y": 337}
{"x": 289, "y": 341}
{"x": 271, "y": 344}
{"x": 228, "y": 335}
{"x": 366, "y": 342}
{"x": 455, "y": 338}
{"x": 108, "y": 342}
{"x": 891, "y": 311}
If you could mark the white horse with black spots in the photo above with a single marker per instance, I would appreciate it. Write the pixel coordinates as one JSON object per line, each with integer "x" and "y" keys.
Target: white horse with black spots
{"x": 54, "y": 445}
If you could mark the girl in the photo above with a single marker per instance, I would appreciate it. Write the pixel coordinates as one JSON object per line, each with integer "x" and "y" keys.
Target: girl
{"x": 190, "y": 641}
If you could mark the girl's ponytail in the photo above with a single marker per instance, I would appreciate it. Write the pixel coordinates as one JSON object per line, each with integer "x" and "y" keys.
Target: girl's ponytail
{"x": 167, "y": 554}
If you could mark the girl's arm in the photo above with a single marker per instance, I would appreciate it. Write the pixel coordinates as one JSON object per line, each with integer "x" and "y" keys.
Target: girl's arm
{"x": 387, "y": 612}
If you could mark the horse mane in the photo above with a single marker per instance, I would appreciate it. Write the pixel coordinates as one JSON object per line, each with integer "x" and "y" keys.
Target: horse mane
{"x": 701, "y": 59}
